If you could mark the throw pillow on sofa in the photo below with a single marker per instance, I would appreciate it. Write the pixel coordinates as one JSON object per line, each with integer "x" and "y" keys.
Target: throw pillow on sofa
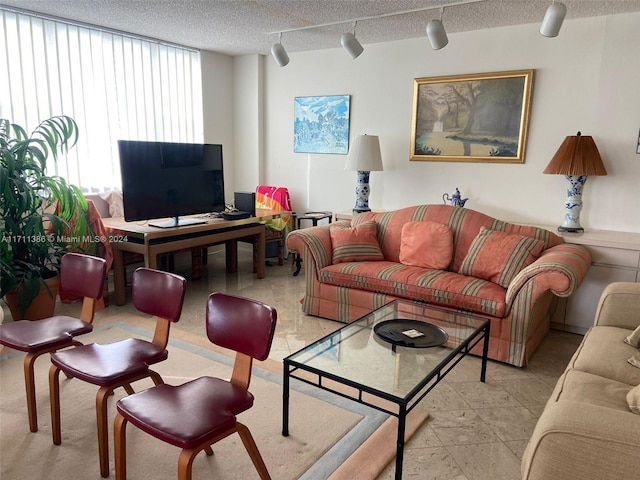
{"x": 498, "y": 256}
{"x": 426, "y": 244}
{"x": 634, "y": 338}
{"x": 355, "y": 244}
{"x": 633, "y": 399}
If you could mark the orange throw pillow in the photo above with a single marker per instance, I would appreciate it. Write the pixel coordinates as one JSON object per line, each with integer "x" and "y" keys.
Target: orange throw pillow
{"x": 426, "y": 244}
{"x": 355, "y": 244}
{"x": 499, "y": 256}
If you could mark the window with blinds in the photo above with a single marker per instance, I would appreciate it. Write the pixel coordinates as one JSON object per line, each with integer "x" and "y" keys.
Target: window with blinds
{"x": 115, "y": 85}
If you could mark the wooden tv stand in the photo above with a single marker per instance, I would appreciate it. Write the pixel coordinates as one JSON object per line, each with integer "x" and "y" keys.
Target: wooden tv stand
{"x": 140, "y": 237}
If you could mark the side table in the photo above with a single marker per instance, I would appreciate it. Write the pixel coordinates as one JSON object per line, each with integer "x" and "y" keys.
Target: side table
{"x": 314, "y": 218}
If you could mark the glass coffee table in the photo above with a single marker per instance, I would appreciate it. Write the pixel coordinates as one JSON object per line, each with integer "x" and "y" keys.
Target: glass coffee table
{"x": 390, "y": 359}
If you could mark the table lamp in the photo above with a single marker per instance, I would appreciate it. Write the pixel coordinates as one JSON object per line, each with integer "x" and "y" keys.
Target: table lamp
{"x": 577, "y": 158}
{"x": 364, "y": 157}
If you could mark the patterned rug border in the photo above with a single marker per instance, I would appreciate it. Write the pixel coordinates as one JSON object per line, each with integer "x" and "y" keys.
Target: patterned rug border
{"x": 372, "y": 419}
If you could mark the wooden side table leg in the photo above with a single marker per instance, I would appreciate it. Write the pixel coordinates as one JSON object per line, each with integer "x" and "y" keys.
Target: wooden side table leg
{"x": 261, "y": 254}
{"x": 231, "y": 253}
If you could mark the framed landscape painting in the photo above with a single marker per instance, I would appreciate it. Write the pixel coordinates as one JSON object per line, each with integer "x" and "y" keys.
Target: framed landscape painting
{"x": 321, "y": 124}
{"x": 471, "y": 118}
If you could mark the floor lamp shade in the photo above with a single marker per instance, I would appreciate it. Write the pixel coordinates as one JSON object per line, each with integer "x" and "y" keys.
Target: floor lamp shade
{"x": 364, "y": 157}
{"x": 577, "y": 158}
{"x": 553, "y": 19}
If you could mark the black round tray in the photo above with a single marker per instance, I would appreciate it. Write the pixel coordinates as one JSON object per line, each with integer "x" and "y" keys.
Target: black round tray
{"x": 392, "y": 331}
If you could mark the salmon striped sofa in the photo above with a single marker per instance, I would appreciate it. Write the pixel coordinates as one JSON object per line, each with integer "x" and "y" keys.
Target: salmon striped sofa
{"x": 518, "y": 299}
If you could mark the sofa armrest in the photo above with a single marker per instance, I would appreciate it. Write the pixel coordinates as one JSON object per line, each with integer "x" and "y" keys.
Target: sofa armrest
{"x": 582, "y": 440}
{"x": 560, "y": 269}
{"x": 313, "y": 244}
{"x": 619, "y": 306}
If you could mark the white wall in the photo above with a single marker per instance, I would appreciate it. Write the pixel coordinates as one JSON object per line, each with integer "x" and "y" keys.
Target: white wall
{"x": 218, "y": 108}
{"x": 585, "y": 79}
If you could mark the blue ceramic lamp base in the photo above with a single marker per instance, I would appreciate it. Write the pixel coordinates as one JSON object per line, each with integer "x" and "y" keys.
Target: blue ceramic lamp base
{"x": 573, "y": 205}
{"x": 362, "y": 193}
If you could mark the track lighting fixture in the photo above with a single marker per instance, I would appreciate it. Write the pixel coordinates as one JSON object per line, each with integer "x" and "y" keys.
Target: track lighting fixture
{"x": 279, "y": 53}
{"x": 553, "y": 19}
{"x": 435, "y": 30}
{"x": 350, "y": 43}
{"x": 436, "y": 33}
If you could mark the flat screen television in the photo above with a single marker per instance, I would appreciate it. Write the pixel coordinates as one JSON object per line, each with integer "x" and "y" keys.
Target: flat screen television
{"x": 163, "y": 179}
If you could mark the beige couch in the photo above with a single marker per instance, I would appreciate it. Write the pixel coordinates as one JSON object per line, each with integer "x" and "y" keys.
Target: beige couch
{"x": 587, "y": 430}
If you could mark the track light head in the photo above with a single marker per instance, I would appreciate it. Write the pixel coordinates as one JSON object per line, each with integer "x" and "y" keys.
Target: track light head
{"x": 279, "y": 54}
{"x": 437, "y": 35}
{"x": 351, "y": 44}
{"x": 553, "y": 19}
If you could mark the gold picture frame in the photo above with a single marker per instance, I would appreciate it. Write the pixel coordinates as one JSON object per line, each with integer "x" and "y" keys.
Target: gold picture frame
{"x": 480, "y": 117}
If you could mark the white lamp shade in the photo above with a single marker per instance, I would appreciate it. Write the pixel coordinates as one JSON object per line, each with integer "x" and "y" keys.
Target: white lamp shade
{"x": 437, "y": 35}
{"x": 553, "y": 19}
{"x": 364, "y": 154}
{"x": 351, "y": 44}
{"x": 279, "y": 54}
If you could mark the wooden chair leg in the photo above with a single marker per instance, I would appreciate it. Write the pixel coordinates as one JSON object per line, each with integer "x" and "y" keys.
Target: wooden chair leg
{"x": 30, "y": 386}
{"x": 252, "y": 449}
{"x": 120, "y": 446}
{"x": 155, "y": 376}
{"x": 103, "y": 430}
{"x": 208, "y": 450}
{"x": 54, "y": 399}
{"x": 185, "y": 463}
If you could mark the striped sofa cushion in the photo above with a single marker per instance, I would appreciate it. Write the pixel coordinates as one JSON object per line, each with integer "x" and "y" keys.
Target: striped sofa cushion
{"x": 416, "y": 283}
{"x": 355, "y": 244}
{"x": 463, "y": 222}
{"x": 498, "y": 257}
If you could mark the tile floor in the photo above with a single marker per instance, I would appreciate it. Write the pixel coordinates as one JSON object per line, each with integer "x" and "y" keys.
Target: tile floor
{"x": 476, "y": 431}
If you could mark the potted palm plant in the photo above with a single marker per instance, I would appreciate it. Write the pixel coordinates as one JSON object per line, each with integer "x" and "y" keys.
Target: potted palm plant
{"x": 36, "y": 210}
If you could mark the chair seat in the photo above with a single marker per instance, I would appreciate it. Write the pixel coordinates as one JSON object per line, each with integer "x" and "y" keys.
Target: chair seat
{"x": 32, "y": 336}
{"x": 110, "y": 364}
{"x": 191, "y": 413}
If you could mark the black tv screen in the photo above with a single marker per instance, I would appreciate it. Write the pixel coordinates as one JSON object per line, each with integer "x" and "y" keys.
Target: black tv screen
{"x": 162, "y": 179}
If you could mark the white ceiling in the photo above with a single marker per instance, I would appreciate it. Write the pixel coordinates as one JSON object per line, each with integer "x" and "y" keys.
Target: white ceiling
{"x": 239, "y": 27}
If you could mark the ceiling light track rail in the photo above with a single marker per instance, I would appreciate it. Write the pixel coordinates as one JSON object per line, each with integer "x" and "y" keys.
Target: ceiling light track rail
{"x": 375, "y": 17}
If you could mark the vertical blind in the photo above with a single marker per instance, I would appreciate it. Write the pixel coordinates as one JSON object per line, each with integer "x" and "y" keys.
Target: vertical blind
{"x": 115, "y": 85}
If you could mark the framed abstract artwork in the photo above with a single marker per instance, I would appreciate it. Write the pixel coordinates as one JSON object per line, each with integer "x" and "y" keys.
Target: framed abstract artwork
{"x": 472, "y": 118}
{"x": 321, "y": 124}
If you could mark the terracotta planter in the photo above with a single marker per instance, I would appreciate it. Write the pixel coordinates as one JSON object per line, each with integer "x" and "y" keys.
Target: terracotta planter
{"x": 43, "y": 306}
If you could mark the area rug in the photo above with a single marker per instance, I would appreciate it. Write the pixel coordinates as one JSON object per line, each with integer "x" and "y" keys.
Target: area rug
{"x": 324, "y": 428}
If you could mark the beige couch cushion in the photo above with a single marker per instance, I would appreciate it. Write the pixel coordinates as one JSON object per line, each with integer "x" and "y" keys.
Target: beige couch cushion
{"x": 603, "y": 352}
{"x": 633, "y": 399}
{"x": 582, "y": 387}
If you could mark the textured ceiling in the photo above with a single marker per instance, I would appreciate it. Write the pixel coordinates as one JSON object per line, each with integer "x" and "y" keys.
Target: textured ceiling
{"x": 239, "y": 27}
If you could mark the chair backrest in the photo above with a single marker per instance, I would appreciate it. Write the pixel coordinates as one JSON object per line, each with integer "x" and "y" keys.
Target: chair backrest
{"x": 158, "y": 293}
{"x": 83, "y": 275}
{"x": 243, "y": 325}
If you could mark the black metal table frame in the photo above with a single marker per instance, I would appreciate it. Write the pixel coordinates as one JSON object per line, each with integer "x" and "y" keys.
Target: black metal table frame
{"x": 406, "y": 404}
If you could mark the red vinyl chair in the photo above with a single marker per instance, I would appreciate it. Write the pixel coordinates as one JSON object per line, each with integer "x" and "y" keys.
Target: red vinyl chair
{"x": 119, "y": 364}
{"x": 195, "y": 415}
{"x": 81, "y": 275}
